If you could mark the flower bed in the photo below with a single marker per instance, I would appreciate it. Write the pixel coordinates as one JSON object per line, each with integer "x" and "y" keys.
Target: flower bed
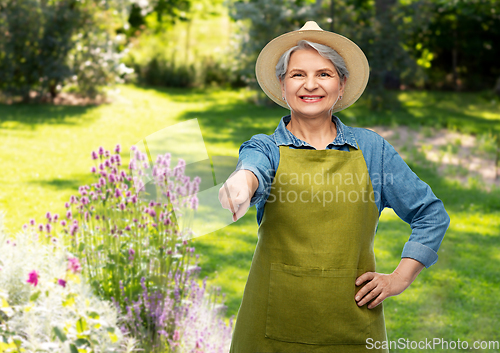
{"x": 133, "y": 252}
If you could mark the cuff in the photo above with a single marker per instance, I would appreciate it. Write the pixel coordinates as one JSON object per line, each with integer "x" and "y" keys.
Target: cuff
{"x": 257, "y": 196}
{"x": 420, "y": 252}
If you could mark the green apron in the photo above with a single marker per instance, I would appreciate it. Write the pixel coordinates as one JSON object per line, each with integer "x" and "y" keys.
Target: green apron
{"x": 315, "y": 239}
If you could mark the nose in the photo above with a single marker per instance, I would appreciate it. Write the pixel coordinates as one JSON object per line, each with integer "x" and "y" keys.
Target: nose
{"x": 310, "y": 84}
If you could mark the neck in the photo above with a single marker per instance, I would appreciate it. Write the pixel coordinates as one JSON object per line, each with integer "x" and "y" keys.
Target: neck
{"x": 318, "y": 131}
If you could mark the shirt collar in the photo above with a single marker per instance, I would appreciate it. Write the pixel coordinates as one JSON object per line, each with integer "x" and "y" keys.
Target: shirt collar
{"x": 284, "y": 137}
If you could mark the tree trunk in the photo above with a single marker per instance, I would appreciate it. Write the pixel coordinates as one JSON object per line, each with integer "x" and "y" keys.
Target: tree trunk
{"x": 454, "y": 59}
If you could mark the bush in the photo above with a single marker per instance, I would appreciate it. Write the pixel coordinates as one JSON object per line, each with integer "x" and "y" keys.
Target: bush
{"x": 47, "y": 46}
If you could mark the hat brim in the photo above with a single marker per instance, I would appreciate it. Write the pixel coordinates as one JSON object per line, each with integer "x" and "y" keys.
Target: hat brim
{"x": 355, "y": 60}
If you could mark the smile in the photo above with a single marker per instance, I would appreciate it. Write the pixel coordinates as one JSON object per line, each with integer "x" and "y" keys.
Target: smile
{"x": 311, "y": 99}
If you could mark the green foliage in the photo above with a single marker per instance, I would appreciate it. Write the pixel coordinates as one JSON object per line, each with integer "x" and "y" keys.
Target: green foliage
{"x": 459, "y": 39}
{"x": 46, "y": 46}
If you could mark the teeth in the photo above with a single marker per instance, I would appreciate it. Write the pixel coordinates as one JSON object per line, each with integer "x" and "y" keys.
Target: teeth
{"x": 311, "y": 98}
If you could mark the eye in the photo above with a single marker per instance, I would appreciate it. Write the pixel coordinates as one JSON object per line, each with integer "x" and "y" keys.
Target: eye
{"x": 296, "y": 75}
{"x": 325, "y": 74}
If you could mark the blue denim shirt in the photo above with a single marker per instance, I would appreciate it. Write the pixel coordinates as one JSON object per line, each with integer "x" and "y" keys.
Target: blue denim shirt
{"x": 394, "y": 183}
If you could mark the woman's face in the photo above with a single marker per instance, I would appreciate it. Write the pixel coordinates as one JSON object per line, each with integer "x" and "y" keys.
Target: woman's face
{"x": 311, "y": 85}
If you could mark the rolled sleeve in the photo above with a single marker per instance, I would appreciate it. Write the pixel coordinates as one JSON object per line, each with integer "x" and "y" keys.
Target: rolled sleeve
{"x": 415, "y": 203}
{"x": 255, "y": 156}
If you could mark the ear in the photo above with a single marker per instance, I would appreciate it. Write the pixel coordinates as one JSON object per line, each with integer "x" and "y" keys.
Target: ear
{"x": 282, "y": 83}
{"x": 342, "y": 86}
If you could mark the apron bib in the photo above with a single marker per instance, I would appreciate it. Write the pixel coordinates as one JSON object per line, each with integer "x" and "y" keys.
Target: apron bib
{"x": 315, "y": 239}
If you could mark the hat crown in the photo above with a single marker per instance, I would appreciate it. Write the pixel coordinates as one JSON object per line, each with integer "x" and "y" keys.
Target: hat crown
{"x": 311, "y": 26}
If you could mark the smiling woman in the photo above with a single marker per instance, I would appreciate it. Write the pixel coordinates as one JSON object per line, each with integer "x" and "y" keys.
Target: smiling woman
{"x": 311, "y": 87}
{"x": 313, "y": 284}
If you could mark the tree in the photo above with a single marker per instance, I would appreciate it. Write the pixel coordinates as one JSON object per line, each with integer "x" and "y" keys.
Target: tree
{"x": 49, "y": 44}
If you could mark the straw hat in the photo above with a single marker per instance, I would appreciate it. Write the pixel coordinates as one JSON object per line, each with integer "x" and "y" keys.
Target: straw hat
{"x": 354, "y": 58}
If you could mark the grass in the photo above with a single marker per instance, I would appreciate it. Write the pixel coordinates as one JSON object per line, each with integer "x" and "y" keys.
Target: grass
{"x": 45, "y": 156}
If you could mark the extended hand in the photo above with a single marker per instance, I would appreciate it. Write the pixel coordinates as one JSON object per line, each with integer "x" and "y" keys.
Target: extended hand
{"x": 237, "y": 191}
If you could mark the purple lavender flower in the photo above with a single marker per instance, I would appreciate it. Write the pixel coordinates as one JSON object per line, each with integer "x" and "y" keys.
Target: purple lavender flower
{"x": 101, "y": 151}
{"x": 85, "y": 200}
{"x": 118, "y": 193}
{"x": 111, "y": 178}
{"x": 122, "y": 206}
{"x": 73, "y": 199}
{"x": 128, "y": 228}
{"x": 63, "y": 223}
{"x": 61, "y": 282}
{"x": 93, "y": 170}
{"x": 69, "y": 215}
{"x": 32, "y": 222}
{"x": 66, "y": 205}
{"x": 131, "y": 253}
{"x": 73, "y": 229}
{"x": 55, "y": 217}
{"x": 48, "y": 227}
{"x": 106, "y": 154}
{"x": 94, "y": 155}
{"x": 194, "y": 203}
{"x": 102, "y": 181}
{"x": 107, "y": 163}
{"x": 118, "y": 148}
{"x": 40, "y": 227}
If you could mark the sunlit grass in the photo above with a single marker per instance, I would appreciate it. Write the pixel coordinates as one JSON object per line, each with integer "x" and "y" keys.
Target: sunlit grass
{"x": 45, "y": 156}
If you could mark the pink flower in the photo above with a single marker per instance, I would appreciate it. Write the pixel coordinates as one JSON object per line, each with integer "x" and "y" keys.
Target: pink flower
{"x": 69, "y": 215}
{"x": 118, "y": 149}
{"x": 94, "y": 155}
{"x": 74, "y": 265}
{"x": 61, "y": 282}
{"x": 48, "y": 227}
{"x": 177, "y": 335}
{"x": 32, "y": 222}
{"x": 93, "y": 170}
{"x": 33, "y": 278}
{"x": 101, "y": 151}
{"x": 63, "y": 223}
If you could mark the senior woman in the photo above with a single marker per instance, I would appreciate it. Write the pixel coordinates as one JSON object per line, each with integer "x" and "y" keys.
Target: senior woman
{"x": 319, "y": 187}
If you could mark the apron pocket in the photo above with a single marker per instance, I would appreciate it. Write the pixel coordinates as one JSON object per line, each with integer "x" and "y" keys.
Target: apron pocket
{"x": 315, "y": 306}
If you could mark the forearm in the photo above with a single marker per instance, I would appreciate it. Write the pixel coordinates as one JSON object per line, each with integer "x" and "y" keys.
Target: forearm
{"x": 408, "y": 269}
{"x": 252, "y": 181}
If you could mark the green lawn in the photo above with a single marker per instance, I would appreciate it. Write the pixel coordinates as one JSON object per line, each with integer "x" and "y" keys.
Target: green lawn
{"x": 45, "y": 156}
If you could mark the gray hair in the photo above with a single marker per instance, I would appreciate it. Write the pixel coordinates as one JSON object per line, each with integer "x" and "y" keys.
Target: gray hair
{"x": 323, "y": 50}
